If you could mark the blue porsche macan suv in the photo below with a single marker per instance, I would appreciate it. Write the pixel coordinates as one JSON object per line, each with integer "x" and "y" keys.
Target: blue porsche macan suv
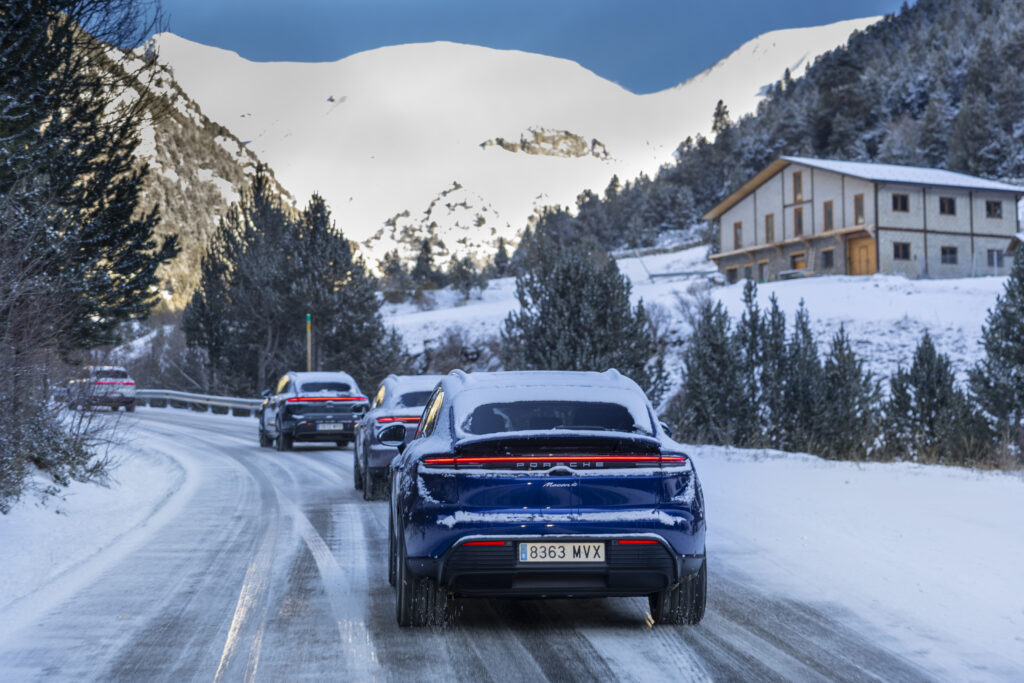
{"x": 544, "y": 484}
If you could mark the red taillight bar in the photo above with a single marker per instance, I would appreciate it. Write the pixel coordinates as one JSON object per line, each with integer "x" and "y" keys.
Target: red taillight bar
{"x": 398, "y": 419}
{"x": 636, "y": 459}
{"x": 104, "y": 382}
{"x": 128, "y": 384}
{"x": 637, "y": 541}
{"x": 484, "y": 543}
{"x": 319, "y": 398}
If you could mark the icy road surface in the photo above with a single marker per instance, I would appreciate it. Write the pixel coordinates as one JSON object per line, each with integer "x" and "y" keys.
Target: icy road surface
{"x": 270, "y": 566}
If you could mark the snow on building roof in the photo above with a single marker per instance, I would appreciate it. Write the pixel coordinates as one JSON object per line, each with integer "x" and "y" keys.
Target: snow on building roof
{"x": 882, "y": 173}
{"x": 914, "y": 175}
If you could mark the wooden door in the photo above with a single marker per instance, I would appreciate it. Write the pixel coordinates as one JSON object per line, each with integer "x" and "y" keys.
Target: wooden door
{"x": 861, "y": 256}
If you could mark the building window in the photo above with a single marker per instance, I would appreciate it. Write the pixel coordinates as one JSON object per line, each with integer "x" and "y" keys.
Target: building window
{"x": 901, "y": 251}
{"x": 993, "y": 209}
{"x": 829, "y": 222}
{"x": 828, "y": 259}
{"x": 731, "y": 274}
{"x": 798, "y": 187}
{"x": 901, "y": 203}
{"x": 769, "y": 228}
{"x": 947, "y": 206}
{"x": 798, "y": 221}
{"x": 858, "y": 209}
{"x": 948, "y": 255}
{"x": 995, "y": 258}
{"x": 762, "y": 271}
{"x": 798, "y": 261}
{"x": 737, "y": 235}
{"x": 748, "y": 272}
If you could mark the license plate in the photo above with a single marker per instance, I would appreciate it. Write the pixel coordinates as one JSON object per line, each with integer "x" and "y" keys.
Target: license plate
{"x": 331, "y": 426}
{"x": 561, "y": 552}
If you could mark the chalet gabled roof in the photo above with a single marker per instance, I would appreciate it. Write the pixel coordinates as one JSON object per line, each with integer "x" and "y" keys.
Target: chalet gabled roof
{"x": 882, "y": 173}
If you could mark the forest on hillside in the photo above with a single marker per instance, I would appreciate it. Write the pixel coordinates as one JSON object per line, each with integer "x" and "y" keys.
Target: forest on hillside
{"x": 939, "y": 84}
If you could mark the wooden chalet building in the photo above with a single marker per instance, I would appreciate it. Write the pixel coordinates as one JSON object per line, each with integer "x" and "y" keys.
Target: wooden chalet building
{"x": 802, "y": 216}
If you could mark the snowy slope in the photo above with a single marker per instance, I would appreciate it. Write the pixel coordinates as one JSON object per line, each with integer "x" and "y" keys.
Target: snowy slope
{"x": 884, "y": 315}
{"x": 389, "y": 130}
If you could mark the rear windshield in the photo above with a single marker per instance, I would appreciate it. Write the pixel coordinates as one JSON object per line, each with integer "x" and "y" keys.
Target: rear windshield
{"x": 414, "y": 399}
{"x": 314, "y": 387}
{"x": 565, "y": 408}
{"x": 110, "y": 374}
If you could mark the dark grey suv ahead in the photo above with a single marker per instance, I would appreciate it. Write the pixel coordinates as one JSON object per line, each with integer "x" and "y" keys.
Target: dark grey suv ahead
{"x": 313, "y": 407}
{"x": 399, "y": 400}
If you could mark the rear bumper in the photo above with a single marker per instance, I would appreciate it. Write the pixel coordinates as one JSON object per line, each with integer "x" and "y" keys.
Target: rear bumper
{"x": 108, "y": 401}
{"x": 629, "y": 570}
{"x": 309, "y": 432}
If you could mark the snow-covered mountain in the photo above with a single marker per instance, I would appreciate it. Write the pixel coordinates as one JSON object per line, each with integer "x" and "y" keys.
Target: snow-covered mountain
{"x": 197, "y": 169}
{"x": 462, "y": 142}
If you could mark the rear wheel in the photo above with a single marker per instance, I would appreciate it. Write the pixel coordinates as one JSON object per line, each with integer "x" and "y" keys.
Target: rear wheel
{"x": 357, "y": 473}
{"x": 265, "y": 441}
{"x": 283, "y": 442}
{"x": 391, "y": 550}
{"x": 130, "y": 408}
{"x": 683, "y": 603}
{"x": 373, "y": 485}
{"x": 341, "y": 443}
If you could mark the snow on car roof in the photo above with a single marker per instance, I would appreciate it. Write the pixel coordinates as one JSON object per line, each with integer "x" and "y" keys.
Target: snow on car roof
{"x": 610, "y": 379}
{"x": 321, "y": 376}
{"x": 416, "y": 382}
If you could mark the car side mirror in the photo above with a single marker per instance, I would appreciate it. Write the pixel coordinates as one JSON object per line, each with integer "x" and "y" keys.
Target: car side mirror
{"x": 666, "y": 429}
{"x": 266, "y": 393}
{"x": 392, "y": 436}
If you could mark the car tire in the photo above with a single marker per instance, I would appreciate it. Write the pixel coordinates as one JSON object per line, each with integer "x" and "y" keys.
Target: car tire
{"x": 392, "y": 565}
{"x": 357, "y": 473}
{"x": 341, "y": 443}
{"x": 265, "y": 441}
{"x": 404, "y": 599}
{"x": 682, "y": 603}
{"x": 283, "y": 442}
{"x": 373, "y": 486}
{"x": 130, "y": 408}
{"x": 695, "y": 595}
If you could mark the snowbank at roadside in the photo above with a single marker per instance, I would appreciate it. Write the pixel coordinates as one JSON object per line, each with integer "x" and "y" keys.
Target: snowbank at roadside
{"x": 42, "y": 541}
{"x": 928, "y": 555}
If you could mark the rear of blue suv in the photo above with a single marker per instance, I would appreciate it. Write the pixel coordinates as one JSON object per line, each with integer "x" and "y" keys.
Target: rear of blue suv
{"x": 545, "y": 485}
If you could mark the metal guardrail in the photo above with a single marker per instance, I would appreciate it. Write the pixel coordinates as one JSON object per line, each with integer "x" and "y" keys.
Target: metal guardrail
{"x": 149, "y": 395}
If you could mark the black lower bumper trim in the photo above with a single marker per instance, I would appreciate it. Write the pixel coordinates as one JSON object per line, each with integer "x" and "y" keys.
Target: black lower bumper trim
{"x": 629, "y": 570}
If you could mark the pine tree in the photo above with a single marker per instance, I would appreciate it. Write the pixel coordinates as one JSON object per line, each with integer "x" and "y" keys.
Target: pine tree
{"x": 79, "y": 258}
{"x": 464, "y": 276}
{"x": 803, "y": 399}
{"x": 396, "y": 283}
{"x": 575, "y": 314}
{"x": 749, "y": 340}
{"x": 774, "y": 375}
{"x": 929, "y": 418}
{"x": 997, "y": 382}
{"x": 262, "y": 273}
{"x": 424, "y": 274}
{"x": 502, "y": 263}
{"x": 849, "y": 423}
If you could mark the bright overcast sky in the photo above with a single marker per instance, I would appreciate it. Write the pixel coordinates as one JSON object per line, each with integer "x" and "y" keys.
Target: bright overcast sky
{"x": 644, "y": 45}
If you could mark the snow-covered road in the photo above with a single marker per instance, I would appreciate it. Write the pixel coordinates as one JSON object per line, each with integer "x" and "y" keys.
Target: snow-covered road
{"x": 267, "y": 565}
